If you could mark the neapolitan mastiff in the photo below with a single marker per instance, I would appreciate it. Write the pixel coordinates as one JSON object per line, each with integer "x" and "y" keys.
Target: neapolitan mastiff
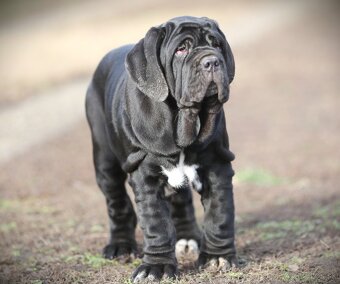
{"x": 155, "y": 113}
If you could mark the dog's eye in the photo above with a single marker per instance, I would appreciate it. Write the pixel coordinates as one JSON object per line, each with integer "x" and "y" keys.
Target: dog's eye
{"x": 214, "y": 42}
{"x": 216, "y": 45}
{"x": 182, "y": 49}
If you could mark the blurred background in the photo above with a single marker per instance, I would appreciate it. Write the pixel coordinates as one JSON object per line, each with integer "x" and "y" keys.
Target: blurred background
{"x": 283, "y": 122}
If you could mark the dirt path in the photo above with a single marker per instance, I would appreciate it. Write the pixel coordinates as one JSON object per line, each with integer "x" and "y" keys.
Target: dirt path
{"x": 284, "y": 123}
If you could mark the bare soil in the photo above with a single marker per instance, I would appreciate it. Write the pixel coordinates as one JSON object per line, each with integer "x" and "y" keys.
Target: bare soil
{"x": 283, "y": 122}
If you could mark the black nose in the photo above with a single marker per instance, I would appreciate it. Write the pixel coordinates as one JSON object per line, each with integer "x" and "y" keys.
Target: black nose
{"x": 210, "y": 63}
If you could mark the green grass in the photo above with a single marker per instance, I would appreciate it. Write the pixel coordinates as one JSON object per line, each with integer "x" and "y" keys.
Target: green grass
{"x": 37, "y": 282}
{"x": 6, "y": 204}
{"x": 97, "y": 228}
{"x": 332, "y": 254}
{"x": 302, "y": 277}
{"x": 135, "y": 263}
{"x": 274, "y": 230}
{"x": 335, "y": 224}
{"x": 7, "y": 227}
{"x": 29, "y": 205}
{"x": 37, "y": 209}
{"x": 127, "y": 281}
{"x": 96, "y": 260}
{"x": 329, "y": 215}
{"x": 16, "y": 252}
{"x": 93, "y": 260}
{"x": 235, "y": 275}
{"x": 330, "y": 210}
{"x": 258, "y": 176}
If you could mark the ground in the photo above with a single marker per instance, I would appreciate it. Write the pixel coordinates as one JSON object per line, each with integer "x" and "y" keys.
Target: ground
{"x": 283, "y": 121}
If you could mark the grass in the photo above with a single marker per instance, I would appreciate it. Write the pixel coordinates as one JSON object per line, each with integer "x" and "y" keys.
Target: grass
{"x": 29, "y": 206}
{"x": 332, "y": 254}
{"x": 7, "y": 227}
{"x": 37, "y": 282}
{"x": 302, "y": 277}
{"x": 97, "y": 228}
{"x": 329, "y": 215}
{"x": 136, "y": 263}
{"x": 6, "y": 204}
{"x": 16, "y": 252}
{"x": 235, "y": 275}
{"x": 321, "y": 219}
{"x": 327, "y": 211}
{"x": 88, "y": 267}
{"x": 42, "y": 210}
{"x": 258, "y": 176}
{"x": 273, "y": 229}
{"x": 96, "y": 260}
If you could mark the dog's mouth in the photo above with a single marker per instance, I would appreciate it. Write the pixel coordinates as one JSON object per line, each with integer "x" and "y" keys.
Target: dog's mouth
{"x": 211, "y": 98}
{"x": 196, "y": 119}
{"x": 212, "y": 90}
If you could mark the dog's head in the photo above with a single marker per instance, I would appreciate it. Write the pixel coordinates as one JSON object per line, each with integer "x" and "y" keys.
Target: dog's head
{"x": 187, "y": 59}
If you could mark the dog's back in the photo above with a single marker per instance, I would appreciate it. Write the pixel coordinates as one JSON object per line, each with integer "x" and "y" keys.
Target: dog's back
{"x": 110, "y": 69}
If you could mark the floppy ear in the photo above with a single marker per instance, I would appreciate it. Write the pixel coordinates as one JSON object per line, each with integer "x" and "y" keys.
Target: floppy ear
{"x": 143, "y": 65}
{"x": 227, "y": 53}
{"x": 229, "y": 57}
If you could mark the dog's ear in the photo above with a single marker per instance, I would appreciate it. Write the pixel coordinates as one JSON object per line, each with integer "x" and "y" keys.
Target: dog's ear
{"x": 226, "y": 50}
{"x": 228, "y": 56}
{"x": 143, "y": 65}
{"x": 230, "y": 61}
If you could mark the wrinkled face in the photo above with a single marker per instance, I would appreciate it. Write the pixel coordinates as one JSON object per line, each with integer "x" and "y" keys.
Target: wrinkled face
{"x": 194, "y": 54}
{"x": 188, "y": 60}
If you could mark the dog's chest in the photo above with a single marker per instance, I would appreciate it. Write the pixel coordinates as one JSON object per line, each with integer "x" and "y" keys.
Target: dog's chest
{"x": 183, "y": 175}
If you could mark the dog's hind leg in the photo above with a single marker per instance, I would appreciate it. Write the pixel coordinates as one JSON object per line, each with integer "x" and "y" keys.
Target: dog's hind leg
{"x": 111, "y": 180}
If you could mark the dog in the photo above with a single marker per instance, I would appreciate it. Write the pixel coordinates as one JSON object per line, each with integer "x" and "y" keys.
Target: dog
{"x": 155, "y": 110}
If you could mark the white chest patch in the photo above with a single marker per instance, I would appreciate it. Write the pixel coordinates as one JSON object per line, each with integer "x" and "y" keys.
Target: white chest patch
{"x": 182, "y": 174}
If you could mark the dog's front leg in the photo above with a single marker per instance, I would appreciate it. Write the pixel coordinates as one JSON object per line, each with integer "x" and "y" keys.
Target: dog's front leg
{"x": 155, "y": 220}
{"x": 217, "y": 245}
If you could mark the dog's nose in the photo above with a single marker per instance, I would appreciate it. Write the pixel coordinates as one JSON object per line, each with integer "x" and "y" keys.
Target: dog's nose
{"x": 210, "y": 63}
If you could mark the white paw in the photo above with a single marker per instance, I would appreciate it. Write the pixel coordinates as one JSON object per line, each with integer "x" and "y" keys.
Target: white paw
{"x": 186, "y": 248}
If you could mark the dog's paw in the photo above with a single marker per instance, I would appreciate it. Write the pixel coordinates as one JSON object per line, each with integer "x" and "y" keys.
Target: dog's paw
{"x": 215, "y": 263}
{"x": 187, "y": 249}
{"x": 154, "y": 272}
{"x": 124, "y": 253}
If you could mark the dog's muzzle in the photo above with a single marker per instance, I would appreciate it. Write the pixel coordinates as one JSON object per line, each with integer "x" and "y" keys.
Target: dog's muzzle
{"x": 206, "y": 78}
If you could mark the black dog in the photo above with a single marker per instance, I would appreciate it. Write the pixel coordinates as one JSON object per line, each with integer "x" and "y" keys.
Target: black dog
{"x": 155, "y": 112}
